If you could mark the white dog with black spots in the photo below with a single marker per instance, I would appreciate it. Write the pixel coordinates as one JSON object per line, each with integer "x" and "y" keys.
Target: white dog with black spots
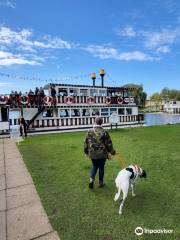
{"x": 127, "y": 176}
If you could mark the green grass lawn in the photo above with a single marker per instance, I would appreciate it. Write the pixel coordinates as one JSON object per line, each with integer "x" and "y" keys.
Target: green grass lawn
{"x": 61, "y": 172}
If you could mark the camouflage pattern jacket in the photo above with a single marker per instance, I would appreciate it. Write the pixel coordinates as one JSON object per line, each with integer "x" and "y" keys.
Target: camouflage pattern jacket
{"x": 98, "y": 143}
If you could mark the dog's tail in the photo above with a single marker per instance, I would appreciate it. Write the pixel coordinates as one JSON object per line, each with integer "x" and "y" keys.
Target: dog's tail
{"x": 117, "y": 195}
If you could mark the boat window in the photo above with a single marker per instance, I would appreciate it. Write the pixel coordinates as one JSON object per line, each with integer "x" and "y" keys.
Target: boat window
{"x": 64, "y": 113}
{"x": 83, "y": 92}
{"x": 73, "y": 92}
{"x": 102, "y": 93}
{"x": 128, "y": 111}
{"x": 113, "y": 110}
{"x": 13, "y": 114}
{"x": 75, "y": 113}
{"x": 62, "y": 92}
{"x": 93, "y": 92}
{"x": 48, "y": 113}
{"x": 120, "y": 111}
{"x": 85, "y": 112}
{"x": 95, "y": 112}
{"x": 104, "y": 111}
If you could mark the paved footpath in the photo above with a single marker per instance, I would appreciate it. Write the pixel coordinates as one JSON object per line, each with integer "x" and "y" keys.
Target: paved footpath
{"x": 22, "y": 216}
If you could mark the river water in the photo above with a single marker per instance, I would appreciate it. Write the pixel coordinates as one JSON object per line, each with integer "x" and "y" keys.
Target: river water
{"x": 161, "y": 119}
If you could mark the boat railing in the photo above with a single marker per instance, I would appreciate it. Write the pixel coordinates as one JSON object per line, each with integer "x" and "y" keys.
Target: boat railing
{"x": 76, "y": 121}
{"x": 34, "y": 101}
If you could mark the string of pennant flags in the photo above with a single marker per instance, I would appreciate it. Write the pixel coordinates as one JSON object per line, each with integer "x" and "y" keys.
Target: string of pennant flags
{"x": 54, "y": 80}
{"x": 63, "y": 78}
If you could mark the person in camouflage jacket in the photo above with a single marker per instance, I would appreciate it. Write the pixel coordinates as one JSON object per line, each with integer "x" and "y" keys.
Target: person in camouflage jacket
{"x": 98, "y": 146}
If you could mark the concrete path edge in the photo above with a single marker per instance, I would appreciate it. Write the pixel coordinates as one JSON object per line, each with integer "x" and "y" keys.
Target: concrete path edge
{"x": 22, "y": 216}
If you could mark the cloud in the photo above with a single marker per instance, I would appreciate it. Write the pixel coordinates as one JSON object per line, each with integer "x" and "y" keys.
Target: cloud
{"x": 24, "y": 40}
{"x": 5, "y": 84}
{"x": 136, "y": 55}
{"x": 112, "y": 53}
{"x": 163, "y": 49}
{"x": 4, "y": 54}
{"x": 156, "y": 39}
{"x": 7, "y": 59}
{"x": 20, "y": 44}
{"x": 16, "y": 60}
{"x": 126, "y": 32}
{"x": 7, "y": 3}
{"x": 101, "y": 51}
{"x": 23, "y": 47}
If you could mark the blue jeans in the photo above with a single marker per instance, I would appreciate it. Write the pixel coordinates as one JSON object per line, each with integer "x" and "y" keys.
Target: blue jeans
{"x": 97, "y": 164}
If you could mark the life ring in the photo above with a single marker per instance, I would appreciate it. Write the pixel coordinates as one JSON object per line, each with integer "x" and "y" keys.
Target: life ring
{"x": 25, "y": 100}
{"x": 131, "y": 100}
{"x": 126, "y": 100}
{"x": 119, "y": 100}
{"x": 90, "y": 100}
{"x": 47, "y": 100}
{"x": 3, "y": 100}
{"x": 69, "y": 99}
{"x": 108, "y": 100}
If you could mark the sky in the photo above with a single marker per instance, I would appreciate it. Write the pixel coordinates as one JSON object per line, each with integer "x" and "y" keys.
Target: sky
{"x": 63, "y": 41}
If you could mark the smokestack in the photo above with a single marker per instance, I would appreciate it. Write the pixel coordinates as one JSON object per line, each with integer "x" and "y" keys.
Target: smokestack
{"x": 93, "y": 76}
{"x": 102, "y": 73}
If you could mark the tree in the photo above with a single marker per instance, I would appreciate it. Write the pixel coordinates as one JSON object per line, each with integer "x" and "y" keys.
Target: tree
{"x": 138, "y": 93}
{"x": 166, "y": 93}
{"x": 156, "y": 96}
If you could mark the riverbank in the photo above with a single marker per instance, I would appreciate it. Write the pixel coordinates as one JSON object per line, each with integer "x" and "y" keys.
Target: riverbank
{"x": 153, "y": 113}
{"x": 60, "y": 172}
{"x": 163, "y": 113}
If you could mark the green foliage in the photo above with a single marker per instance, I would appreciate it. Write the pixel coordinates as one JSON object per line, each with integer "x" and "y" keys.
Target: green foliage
{"x": 61, "y": 172}
{"x": 156, "y": 96}
{"x": 166, "y": 93}
{"x": 138, "y": 93}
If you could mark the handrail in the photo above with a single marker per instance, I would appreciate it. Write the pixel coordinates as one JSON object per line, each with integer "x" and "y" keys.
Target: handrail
{"x": 34, "y": 101}
{"x": 75, "y": 121}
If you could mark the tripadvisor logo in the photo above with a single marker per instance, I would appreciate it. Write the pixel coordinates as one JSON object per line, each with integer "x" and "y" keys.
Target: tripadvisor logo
{"x": 139, "y": 231}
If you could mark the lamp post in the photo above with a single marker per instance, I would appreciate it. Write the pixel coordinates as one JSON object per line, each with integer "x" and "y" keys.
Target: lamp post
{"x": 102, "y": 73}
{"x": 93, "y": 77}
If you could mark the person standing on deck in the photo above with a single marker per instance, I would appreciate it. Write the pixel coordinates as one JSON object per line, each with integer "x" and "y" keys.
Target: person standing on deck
{"x": 23, "y": 127}
{"x": 98, "y": 146}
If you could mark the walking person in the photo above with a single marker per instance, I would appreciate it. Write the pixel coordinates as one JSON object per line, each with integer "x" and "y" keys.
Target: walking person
{"x": 23, "y": 127}
{"x": 98, "y": 146}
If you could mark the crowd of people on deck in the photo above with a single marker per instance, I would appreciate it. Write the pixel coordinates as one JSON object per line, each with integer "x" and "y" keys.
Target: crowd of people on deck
{"x": 35, "y": 97}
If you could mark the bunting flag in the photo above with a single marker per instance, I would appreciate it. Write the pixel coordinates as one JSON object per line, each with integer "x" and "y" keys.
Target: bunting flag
{"x": 59, "y": 79}
{"x": 63, "y": 79}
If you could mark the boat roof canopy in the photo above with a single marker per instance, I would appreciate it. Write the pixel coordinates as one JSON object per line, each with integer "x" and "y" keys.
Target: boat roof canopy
{"x": 110, "y": 89}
